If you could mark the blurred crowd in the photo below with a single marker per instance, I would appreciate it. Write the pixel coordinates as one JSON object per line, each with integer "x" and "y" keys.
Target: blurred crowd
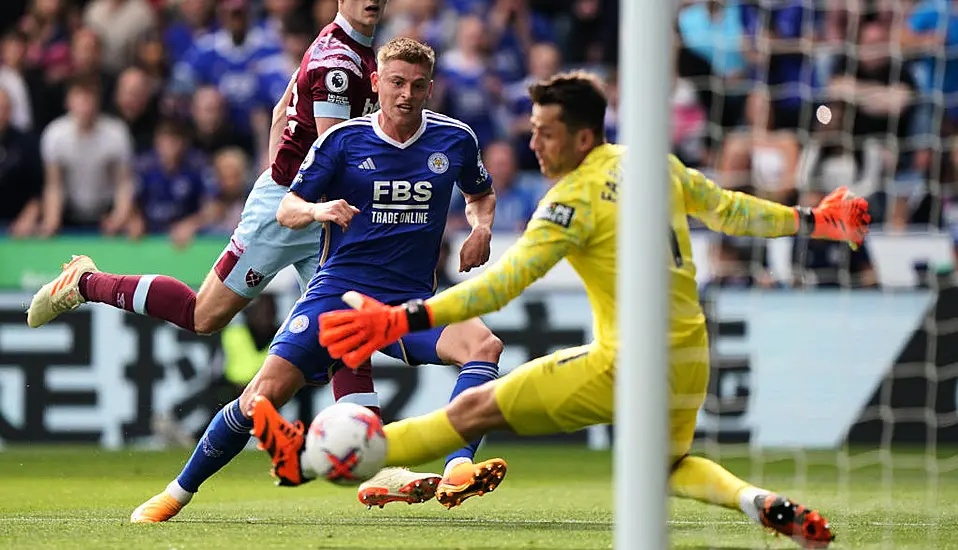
{"x": 790, "y": 99}
{"x": 135, "y": 117}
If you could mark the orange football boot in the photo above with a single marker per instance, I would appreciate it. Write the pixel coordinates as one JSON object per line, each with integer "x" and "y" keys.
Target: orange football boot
{"x": 804, "y": 526}
{"x": 159, "y": 508}
{"x": 282, "y": 439}
{"x": 469, "y": 480}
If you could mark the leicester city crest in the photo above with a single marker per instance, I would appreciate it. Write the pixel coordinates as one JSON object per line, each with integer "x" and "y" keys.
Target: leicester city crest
{"x": 438, "y": 163}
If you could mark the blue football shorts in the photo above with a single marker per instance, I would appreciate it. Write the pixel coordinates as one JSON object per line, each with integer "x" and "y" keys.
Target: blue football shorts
{"x": 297, "y": 340}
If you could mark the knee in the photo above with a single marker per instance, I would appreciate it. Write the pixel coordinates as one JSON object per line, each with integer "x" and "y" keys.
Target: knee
{"x": 475, "y": 411}
{"x": 206, "y": 322}
{"x": 488, "y": 347}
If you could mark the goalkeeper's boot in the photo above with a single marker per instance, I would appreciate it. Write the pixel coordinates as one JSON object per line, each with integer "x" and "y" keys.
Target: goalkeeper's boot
{"x": 159, "y": 508}
{"x": 470, "y": 480}
{"x": 398, "y": 485}
{"x": 804, "y": 526}
{"x": 282, "y": 439}
{"x": 61, "y": 294}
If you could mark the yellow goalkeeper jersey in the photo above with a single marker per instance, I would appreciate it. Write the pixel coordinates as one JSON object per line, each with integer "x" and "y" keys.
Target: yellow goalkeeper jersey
{"x": 577, "y": 220}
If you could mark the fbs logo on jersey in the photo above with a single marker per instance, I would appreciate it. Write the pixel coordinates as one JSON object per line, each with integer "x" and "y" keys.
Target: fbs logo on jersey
{"x": 555, "y": 212}
{"x": 253, "y": 278}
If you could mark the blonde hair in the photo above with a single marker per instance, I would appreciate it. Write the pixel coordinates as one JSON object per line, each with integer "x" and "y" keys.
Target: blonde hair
{"x": 409, "y": 50}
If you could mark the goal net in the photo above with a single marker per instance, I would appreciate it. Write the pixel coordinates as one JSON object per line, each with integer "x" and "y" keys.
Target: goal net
{"x": 834, "y": 371}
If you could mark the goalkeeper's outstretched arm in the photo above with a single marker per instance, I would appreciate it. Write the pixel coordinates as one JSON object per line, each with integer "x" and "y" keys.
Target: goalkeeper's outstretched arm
{"x": 840, "y": 216}
{"x": 531, "y": 257}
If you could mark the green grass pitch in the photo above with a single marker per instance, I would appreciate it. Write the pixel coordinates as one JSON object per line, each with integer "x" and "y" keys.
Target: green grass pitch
{"x": 554, "y": 497}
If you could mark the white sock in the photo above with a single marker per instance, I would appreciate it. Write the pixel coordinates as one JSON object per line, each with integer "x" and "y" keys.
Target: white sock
{"x": 746, "y": 502}
{"x": 180, "y": 494}
{"x": 455, "y": 462}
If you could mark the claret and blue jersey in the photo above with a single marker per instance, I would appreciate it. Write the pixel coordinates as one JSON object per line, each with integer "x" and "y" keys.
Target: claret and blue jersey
{"x": 403, "y": 192}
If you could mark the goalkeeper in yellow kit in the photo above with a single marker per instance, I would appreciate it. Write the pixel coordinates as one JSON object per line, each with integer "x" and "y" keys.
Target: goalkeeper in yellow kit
{"x": 573, "y": 388}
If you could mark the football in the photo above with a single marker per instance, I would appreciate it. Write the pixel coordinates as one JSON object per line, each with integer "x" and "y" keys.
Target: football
{"x": 345, "y": 444}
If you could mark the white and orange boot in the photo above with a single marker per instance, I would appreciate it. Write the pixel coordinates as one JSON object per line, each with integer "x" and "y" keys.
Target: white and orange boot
{"x": 470, "y": 480}
{"x": 162, "y": 506}
{"x": 61, "y": 294}
{"x": 398, "y": 485}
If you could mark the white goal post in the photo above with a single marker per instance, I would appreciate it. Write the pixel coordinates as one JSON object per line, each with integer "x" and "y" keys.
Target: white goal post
{"x": 641, "y": 427}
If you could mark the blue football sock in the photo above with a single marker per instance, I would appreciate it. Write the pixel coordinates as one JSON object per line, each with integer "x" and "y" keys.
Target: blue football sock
{"x": 473, "y": 373}
{"x": 225, "y": 437}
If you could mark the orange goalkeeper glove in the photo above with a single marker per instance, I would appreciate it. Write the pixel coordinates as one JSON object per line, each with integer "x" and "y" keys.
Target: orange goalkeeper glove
{"x": 841, "y": 216}
{"x": 354, "y": 335}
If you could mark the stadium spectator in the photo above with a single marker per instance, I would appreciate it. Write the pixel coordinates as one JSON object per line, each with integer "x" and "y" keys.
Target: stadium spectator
{"x": 425, "y": 20}
{"x": 834, "y": 265}
{"x": 833, "y": 158}
{"x": 516, "y": 196}
{"x": 173, "y": 187}
{"x": 191, "y": 20}
{"x": 86, "y": 54}
{"x": 512, "y": 29}
{"x": 150, "y": 56}
{"x": 544, "y": 60}
{"x": 48, "y": 46}
{"x": 119, "y": 23}
{"x": 297, "y": 35}
{"x": 87, "y": 157}
{"x": 593, "y": 33}
{"x": 739, "y": 262}
{"x": 762, "y": 160}
{"x": 13, "y": 80}
{"x": 779, "y": 37}
{"x": 275, "y": 21}
{"x": 21, "y": 175}
{"x": 231, "y": 174}
{"x": 324, "y": 11}
{"x": 212, "y": 130}
{"x": 136, "y": 103}
{"x": 711, "y": 58}
{"x": 466, "y": 87}
{"x": 230, "y": 60}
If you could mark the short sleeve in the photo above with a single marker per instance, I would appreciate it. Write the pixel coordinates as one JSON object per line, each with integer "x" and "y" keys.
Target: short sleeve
{"x": 124, "y": 144}
{"x": 319, "y": 167}
{"x": 474, "y": 179}
{"x": 334, "y": 84}
{"x": 49, "y": 144}
{"x": 563, "y": 215}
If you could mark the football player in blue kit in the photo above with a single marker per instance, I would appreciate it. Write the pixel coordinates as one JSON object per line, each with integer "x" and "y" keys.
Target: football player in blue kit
{"x": 393, "y": 172}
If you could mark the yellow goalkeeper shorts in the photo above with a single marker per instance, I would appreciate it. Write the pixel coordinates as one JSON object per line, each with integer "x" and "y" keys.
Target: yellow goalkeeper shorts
{"x": 575, "y": 388}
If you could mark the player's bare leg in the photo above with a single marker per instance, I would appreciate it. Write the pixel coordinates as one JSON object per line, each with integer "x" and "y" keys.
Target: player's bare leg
{"x": 216, "y": 305}
{"x": 278, "y": 380}
{"x": 466, "y": 344}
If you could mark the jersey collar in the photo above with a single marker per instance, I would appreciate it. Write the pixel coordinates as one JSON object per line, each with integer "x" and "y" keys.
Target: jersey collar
{"x": 351, "y": 32}
{"x": 401, "y": 145}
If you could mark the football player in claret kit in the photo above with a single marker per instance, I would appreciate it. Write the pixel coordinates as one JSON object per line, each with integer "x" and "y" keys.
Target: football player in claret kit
{"x": 332, "y": 84}
{"x": 398, "y": 168}
{"x": 573, "y": 388}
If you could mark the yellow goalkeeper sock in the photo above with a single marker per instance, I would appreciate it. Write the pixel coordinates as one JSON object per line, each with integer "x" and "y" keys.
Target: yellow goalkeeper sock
{"x": 703, "y": 480}
{"x": 416, "y": 440}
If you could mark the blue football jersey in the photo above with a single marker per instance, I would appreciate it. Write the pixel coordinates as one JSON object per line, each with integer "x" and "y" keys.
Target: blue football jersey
{"x": 403, "y": 192}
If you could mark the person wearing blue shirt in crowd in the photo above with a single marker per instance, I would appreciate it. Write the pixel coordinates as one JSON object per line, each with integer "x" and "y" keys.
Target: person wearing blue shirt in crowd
{"x": 229, "y": 59}
{"x": 782, "y": 66}
{"x": 516, "y": 196}
{"x": 513, "y": 28}
{"x": 173, "y": 186}
{"x": 196, "y": 20}
{"x": 465, "y": 82}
